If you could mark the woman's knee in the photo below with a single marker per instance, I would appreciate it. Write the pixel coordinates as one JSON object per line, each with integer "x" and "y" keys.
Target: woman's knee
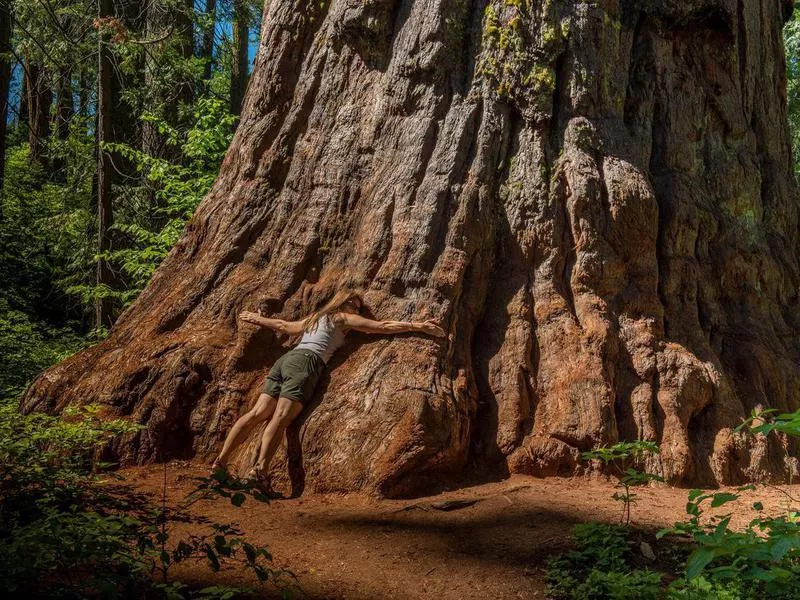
{"x": 282, "y": 415}
{"x": 286, "y": 411}
{"x": 263, "y": 409}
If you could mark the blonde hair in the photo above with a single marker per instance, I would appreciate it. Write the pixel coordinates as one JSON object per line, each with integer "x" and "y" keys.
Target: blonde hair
{"x": 333, "y": 305}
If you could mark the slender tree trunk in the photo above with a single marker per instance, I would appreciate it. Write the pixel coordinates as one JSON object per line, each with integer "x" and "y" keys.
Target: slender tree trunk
{"x": 596, "y": 200}
{"x": 84, "y": 92}
{"x": 105, "y": 215}
{"x": 185, "y": 38}
{"x": 165, "y": 102}
{"x": 151, "y": 140}
{"x": 5, "y": 80}
{"x": 207, "y": 48}
{"x": 40, "y": 99}
{"x": 153, "y": 143}
{"x": 62, "y": 119}
{"x": 65, "y": 104}
{"x": 239, "y": 73}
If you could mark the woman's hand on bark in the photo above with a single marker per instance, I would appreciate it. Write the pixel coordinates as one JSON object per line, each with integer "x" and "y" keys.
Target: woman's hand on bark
{"x": 432, "y": 328}
{"x": 251, "y": 317}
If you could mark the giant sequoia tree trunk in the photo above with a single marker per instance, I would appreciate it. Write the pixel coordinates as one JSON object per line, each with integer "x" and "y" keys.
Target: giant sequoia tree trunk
{"x": 595, "y": 199}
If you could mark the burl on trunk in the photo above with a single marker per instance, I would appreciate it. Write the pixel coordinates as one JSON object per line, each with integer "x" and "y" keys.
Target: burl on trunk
{"x": 595, "y": 198}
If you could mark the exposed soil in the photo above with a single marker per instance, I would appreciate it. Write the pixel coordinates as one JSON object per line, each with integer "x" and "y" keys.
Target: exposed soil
{"x": 356, "y": 547}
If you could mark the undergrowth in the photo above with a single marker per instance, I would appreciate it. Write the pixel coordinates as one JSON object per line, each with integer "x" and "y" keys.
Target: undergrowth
{"x": 700, "y": 557}
{"x": 598, "y": 567}
{"x": 69, "y": 528}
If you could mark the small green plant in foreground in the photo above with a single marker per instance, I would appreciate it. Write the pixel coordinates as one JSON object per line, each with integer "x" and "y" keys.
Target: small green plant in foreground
{"x": 617, "y": 456}
{"x": 702, "y": 557}
{"x": 597, "y": 567}
{"x": 760, "y": 560}
{"x": 70, "y": 529}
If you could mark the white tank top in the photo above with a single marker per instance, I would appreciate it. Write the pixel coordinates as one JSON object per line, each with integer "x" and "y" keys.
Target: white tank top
{"x": 324, "y": 340}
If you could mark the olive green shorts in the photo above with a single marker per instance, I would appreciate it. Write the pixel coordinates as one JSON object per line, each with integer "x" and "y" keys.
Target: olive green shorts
{"x": 294, "y": 375}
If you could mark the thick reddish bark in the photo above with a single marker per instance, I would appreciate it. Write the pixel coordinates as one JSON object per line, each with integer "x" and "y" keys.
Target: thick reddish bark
{"x": 596, "y": 200}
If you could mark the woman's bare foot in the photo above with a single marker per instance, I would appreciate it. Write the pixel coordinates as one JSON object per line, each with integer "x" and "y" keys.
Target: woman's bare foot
{"x": 217, "y": 465}
{"x": 261, "y": 481}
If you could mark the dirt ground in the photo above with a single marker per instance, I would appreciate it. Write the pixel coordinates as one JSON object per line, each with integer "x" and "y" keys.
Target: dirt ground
{"x": 486, "y": 541}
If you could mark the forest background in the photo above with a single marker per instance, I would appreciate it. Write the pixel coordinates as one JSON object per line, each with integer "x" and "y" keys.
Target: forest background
{"x": 116, "y": 116}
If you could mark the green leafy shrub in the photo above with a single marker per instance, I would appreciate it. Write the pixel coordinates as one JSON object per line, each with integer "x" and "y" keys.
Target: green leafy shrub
{"x": 178, "y": 186}
{"x": 763, "y": 558}
{"x": 760, "y": 560}
{"x": 27, "y": 348}
{"x": 701, "y": 588}
{"x": 636, "y": 585}
{"x": 597, "y": 567}
{"x": 69, "y": 530}
{"x": 45, "y": 232}
{"x": 619, "y": 455}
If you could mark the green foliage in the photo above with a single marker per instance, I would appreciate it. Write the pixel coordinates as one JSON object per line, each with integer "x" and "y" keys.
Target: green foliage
{"x": 47, "y": 530}
{"x": 43, "y": 233}
{"x": 46, "y": 461}
{"x": 701, "y": 588}
{"x": 617, "y": 456}
{"x": 67, "y": 528}
{"x": 68, "y": 531}
{"x": 636, "y": 585}
{"x": 763, "y": 558}
{"x": 791, "y": 38}
{"x": 178, "y": 185}
{"x": 621, "y": 451}
{"x": 48, "y": 230}
{"x": 42, "y": 243}
{"x": 597, "y": 567}
{"x": 28, "y": 348}
{"x": 765, "y": 421}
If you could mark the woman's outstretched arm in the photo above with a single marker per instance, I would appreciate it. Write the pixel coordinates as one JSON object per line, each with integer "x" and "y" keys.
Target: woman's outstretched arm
{"x": 279, "y": 325}
{"x": 365, "y": 325}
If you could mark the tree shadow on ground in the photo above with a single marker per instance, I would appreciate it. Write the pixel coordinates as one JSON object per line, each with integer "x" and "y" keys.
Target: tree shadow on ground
{"x": 521, "y": 538}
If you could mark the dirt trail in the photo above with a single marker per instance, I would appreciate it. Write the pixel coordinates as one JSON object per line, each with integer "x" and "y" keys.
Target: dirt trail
{"x": 356, "y": 547}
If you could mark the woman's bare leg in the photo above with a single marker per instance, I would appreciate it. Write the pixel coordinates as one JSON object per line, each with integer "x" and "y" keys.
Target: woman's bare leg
{"x": 261, "y": 411}
{"x": 285, "y": 413}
